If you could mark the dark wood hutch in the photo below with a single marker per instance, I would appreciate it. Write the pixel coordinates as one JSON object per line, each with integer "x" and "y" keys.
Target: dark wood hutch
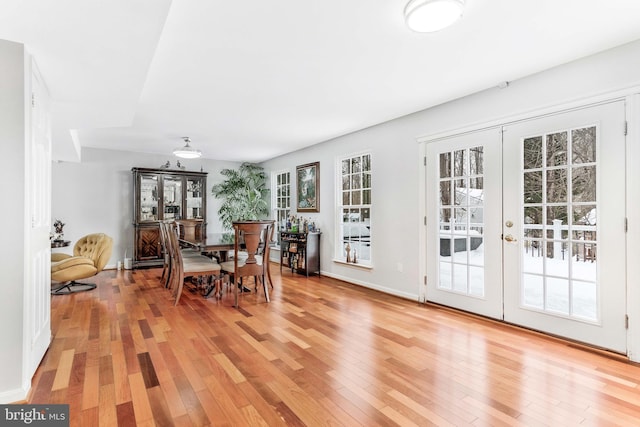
{"x": 161, "y": 195}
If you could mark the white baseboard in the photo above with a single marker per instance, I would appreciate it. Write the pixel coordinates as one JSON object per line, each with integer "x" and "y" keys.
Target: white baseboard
{"x": 13, "y": 396}
{"x": 383, "y": 289}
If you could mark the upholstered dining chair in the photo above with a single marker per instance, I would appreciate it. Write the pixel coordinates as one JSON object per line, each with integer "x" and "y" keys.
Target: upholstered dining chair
{"x": 173, "y": 227}
{"x": 90, "y": 255}
{"x": 182, "y": 267}
{"x": 255, "y": 236}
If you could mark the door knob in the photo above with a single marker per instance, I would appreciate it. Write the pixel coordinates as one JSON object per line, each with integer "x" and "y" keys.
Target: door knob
{"x": 510, "y": 238}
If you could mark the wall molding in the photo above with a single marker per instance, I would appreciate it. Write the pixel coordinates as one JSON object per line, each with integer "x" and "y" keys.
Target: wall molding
{"x": 383, "y": 289}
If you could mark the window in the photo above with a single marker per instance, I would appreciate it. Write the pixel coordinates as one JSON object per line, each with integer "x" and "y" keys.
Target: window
{"x": 354, "y": 209}
{"x": 281, "y": 199}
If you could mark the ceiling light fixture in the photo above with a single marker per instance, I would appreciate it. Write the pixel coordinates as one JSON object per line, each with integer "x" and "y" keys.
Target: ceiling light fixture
{"x": 427, "y": 16}
{"x": 187, "y": 152}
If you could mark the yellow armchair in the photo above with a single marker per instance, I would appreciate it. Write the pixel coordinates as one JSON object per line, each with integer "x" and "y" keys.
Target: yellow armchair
{"x": 90, "y": 255}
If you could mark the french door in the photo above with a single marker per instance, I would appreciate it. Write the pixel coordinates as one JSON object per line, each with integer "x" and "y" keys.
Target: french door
{"x": 464, "y": 198}
{"x": 535, "y": 235}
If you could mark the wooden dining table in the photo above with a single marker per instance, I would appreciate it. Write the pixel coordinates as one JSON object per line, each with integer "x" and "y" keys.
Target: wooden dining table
{"x": 219, "y": 244}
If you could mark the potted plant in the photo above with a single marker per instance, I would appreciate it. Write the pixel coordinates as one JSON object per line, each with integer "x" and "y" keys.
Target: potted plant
{"x": 244, "y": 193}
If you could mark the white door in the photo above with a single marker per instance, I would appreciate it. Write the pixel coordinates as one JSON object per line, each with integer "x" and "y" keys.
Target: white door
{"x": 528, "y": 224}
{"x": 464, "y": 216}
{"x": 37, "y": 304}
{"x": 564, "y": 225}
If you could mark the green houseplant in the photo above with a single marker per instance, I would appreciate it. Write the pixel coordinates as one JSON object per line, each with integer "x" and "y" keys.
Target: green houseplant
{"x": 244, "y": 193}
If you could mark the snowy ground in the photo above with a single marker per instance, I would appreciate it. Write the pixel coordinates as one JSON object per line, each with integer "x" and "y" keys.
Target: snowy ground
{"x": 562, "y": 286}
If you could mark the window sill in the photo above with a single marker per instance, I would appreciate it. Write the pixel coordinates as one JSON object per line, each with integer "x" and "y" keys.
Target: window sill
{"x": 350, "y": 264}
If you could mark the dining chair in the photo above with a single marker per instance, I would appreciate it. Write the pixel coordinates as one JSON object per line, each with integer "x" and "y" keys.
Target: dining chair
{"x": 190, "y": 232}
{"x": 165, "y": 228}
{"x": 190, "y": 229}
{"x": 205, "y": 269}
{"x": 166, "y": 259}
{"x": 254, "y": 236}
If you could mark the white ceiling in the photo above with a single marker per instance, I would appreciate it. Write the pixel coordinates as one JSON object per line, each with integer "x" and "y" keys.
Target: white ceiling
{"x": 250, "y": 80}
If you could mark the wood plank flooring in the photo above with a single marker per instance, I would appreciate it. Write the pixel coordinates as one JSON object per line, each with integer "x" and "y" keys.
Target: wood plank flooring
{"x": 322, "y": 353}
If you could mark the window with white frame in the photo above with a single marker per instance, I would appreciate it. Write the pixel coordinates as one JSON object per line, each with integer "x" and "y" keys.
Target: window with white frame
{"x": 354, "y": 209}
{"x": 281, "y": 199}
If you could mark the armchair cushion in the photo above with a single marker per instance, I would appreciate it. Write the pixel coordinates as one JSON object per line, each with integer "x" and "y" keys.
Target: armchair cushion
{"x": 73, "y": 268}
{"x": 59, "y": 257}
{"x": 73, "y": 261}
{"x": 95, "y": 246}
{"x": 90, "y": 255}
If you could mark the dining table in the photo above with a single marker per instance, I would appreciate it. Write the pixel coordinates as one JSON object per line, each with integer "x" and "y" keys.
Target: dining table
{"x": 219, "y": 245}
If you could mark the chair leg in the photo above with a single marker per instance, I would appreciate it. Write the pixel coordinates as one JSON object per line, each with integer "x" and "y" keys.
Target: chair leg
{"x": 269, "y": 276}
{"x": 235, "y": 291}
{"x": 266, "y": 289}
{"x": 178, "y": 290}
{"x": 218, "y": 283}
{"x": 225, "y": 280}
{"x": 167, "y": 283}
{"x": 72, "y": 287}
{"x": 238, "y": 286}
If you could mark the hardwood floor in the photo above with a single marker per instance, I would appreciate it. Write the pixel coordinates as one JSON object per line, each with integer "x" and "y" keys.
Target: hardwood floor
{"x": 322, "y": 353}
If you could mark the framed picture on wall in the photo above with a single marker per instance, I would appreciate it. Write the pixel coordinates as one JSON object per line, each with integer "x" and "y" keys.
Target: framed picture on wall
{"x": 307, "y": 182}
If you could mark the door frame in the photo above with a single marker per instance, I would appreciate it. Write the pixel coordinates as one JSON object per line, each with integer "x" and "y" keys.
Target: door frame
{"x": 631, "y": 96}
{"x": 633, "y": 225}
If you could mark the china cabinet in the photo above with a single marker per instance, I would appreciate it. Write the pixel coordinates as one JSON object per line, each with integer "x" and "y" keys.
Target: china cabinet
{"x": 163, "y": 195}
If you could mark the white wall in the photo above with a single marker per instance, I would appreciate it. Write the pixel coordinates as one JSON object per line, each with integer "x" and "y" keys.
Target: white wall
{"x": 396, "y": 219}
{"x": 12, "y": 175}
{"x": 96, "y": 195}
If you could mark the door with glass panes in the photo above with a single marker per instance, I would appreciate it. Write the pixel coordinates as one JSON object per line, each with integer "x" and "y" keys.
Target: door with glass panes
{"x": 564, "y": 268}
{"x": 548, "y": 251}
{"x": 464, "y": 198}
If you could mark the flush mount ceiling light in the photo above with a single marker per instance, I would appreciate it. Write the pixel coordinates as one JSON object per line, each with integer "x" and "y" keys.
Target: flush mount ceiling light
{"x": 187, "y": 152}
{"x": 427, "y": 16}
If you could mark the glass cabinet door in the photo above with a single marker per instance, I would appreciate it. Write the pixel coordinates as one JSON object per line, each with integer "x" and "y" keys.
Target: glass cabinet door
{"x": 195, "y": 187}
{"x": 172, "y": 198}
{"x": 148, "y": 198}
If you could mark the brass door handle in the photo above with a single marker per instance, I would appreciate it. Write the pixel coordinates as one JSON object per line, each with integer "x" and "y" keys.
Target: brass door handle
{"x": 510, "y": 238}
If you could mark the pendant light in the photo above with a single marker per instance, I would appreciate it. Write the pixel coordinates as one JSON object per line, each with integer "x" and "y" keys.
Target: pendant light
{"x": 187, "y": 152}
{"x": 427, "y": 16}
